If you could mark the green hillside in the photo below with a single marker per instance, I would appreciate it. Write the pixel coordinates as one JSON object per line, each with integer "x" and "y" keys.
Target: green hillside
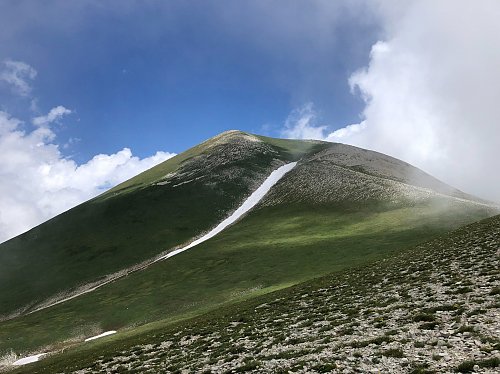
{"x": 152, "y": 213}
{"x": 429, "y": 309}
{"x": 339, "y": 208}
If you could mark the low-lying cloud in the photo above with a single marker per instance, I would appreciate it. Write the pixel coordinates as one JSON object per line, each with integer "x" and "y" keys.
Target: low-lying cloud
{"x": 431, "y": 90}
{"x": 38, "y": 182}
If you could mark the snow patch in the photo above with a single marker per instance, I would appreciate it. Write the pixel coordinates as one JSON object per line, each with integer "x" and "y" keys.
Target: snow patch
{"x": 101, "y": 335}
{"x": 248, "y": 204}
{"x": 28, "y": 360}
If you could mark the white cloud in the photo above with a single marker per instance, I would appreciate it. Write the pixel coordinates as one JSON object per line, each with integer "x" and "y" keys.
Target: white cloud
{"x": 38, "y": 182}
{"x": 55, "y": 114}
{"x": 431, "y": 90}
{"x": 18, "y": 74}
{"x": 344, "y": 134}
{"x": 301, "y": 124}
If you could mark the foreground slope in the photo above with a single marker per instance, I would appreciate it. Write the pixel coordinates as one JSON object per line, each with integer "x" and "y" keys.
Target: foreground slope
{"x": 340, "y": 207}
{"x": 433, "y": 308}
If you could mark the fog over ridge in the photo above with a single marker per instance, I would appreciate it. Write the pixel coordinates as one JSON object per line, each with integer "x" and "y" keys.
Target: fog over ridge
{"x": 431, "y": 91}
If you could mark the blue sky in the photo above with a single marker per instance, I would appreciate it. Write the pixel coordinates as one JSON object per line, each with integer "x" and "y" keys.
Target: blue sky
{"x": 166, "y": 75}
{"x": 94, "y": 92}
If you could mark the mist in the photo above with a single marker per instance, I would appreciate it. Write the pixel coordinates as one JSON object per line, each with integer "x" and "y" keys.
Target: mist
{"x": 431, "y": 91}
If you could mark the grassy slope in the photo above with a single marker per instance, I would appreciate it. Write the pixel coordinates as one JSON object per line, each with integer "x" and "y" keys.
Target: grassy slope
{"x": 133, "y": 222}
{"x": 316, "y": 325}
{"x": 273, "y": 247}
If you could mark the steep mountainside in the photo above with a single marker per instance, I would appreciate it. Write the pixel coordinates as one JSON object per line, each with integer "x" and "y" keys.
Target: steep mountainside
{"x": 137, "y": 220}
{"x": 338, "y": 208}
{"x": 350, "y": 175}
{"x": 434, "y": 308}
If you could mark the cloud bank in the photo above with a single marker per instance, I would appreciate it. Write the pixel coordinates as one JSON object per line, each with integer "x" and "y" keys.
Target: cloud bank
{"x": 38, "y": 182}
{"x": 431, "y": 90}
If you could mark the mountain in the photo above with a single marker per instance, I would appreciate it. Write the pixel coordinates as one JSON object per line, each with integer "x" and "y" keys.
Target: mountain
{"x": 137, "y": 220}
{"x": 95, "y": 267}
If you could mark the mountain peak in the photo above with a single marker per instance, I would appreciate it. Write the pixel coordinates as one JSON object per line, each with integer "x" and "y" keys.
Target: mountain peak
{"x": 232, "y": 136}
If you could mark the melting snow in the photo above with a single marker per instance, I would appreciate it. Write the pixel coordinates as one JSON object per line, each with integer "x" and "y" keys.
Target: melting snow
{"x": 101, "y": 335}
{"x": 248, "y": 204}
{"x": 28, "y": 360}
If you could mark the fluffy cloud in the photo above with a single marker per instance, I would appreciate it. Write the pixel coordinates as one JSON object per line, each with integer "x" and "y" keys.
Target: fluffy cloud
{"x": 431, "y": 90}
{"x": 38, "y": 182}
{"x": 18, "y": 75}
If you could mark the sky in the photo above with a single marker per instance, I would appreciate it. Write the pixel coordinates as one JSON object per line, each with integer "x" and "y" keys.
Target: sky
{"x": 92, "y": 93}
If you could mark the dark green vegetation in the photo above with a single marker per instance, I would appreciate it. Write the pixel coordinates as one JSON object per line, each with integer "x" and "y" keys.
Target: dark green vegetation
{"x": 360, "y": 318}
{"x": 468, "y": 366}
{"x": 340, "y": 208}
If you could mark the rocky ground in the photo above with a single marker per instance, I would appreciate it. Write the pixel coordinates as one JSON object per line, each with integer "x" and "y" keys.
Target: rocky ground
{"x": 435, "y": 308}
{"x": 221, "y": 161}
{"x": 326, "y": 180}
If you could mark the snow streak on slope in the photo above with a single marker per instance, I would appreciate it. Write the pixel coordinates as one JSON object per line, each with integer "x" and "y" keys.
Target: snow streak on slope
{"x": 248, "y": 204}
{"x": 28, "y": 360}
{"x": 101, "y": 335}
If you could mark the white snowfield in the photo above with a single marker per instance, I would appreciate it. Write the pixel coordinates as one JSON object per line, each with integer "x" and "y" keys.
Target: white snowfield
{"x": 248, "y": 204}
{"x": 101, "y": 335}
{"x": 28, "y": 360}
